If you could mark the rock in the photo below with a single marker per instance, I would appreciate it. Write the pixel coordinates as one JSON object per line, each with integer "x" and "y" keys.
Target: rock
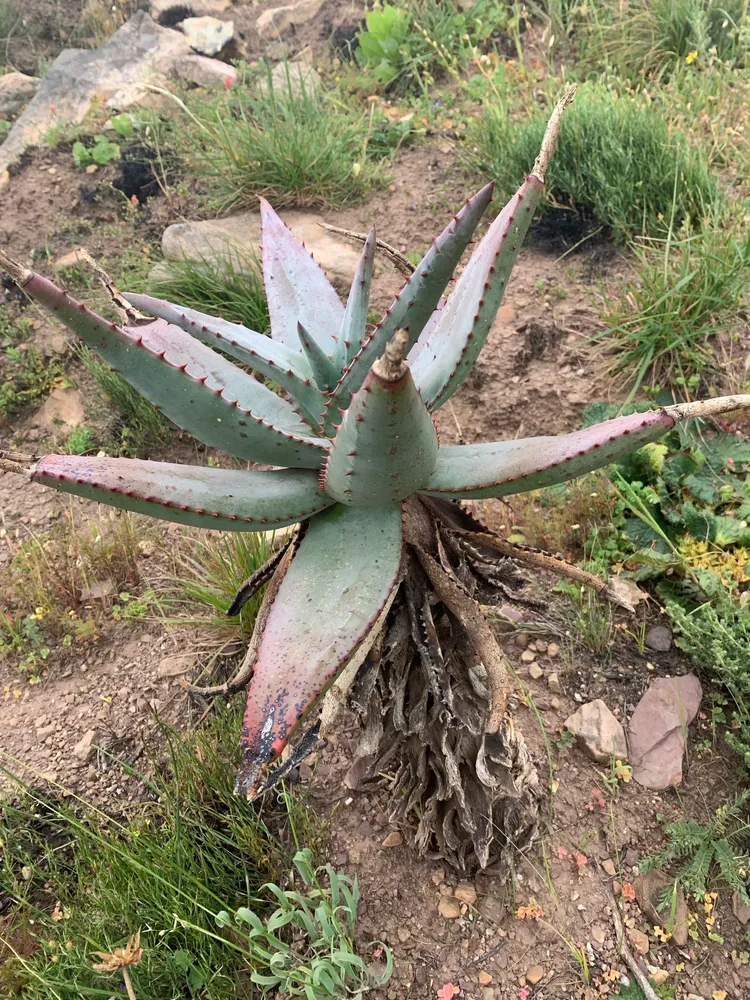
{"x": 484, "y": 978}
{"x": 279, "y": 19}
{"x": 117, "y": 74}
{"x": 394, "y": 839}
{"x": 626, "y": 591}
{"x": 609, "y": 867}
{"x": 403, "y": 934}
{"x": 509, "y": 613}
{"x": 73, "y": 258}
{"x": 488, "y": 993}
{"x": 535, "y": 973}
{"x": 535, "y": 672}
{"x": 465, "y": 893}
{"x": 291, "y": 79}
{"x": 84, "y": 748}
{"x": 213, "y": 74}
{"x": 237, "y": 238}
{"x": 176, "y": 664}
{"x": 61, "y": 411}
{"x": 207, "y": 35}
{"x": 639, "y": 940}
{"x": 553, "y": 682}
{"x": 449, "y": 908}
{"x": 528, "y": 656}
{"x": 492, "y": 908}
{"x": 599, "y": 733}
{"x": 598, "y": 934}
{"x": 658, "y": 728}
{"x": 554, "y": 703}
{"x": 553, "y": 650}
{"x": 649, "y": 892}
{"x": 98, "y": 590}
{"x": 739, "y": 909}
{"x": 16, "y": 90}
{"x": 658, "y": 976}
{"x": 659, "y": 638}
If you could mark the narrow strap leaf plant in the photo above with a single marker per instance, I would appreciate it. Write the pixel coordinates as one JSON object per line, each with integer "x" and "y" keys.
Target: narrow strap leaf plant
{"x": 376, "y": 594}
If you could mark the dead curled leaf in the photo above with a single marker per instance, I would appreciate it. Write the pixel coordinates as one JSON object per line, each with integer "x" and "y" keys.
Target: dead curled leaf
{"x": 131, "y": 954}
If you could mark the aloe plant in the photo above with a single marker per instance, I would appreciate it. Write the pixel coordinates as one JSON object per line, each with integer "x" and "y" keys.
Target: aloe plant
{"x": 385, "y": 566}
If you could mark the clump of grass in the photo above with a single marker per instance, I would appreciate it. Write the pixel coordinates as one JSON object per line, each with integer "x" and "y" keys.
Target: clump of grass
{"x": 139, "y": 424}
{"x": 28, "y": 377}
{"x": 192, "y": 850}
{"x": 229, "y": 286}
{"x": 293, "y": 145}
{"x": 617, "y": 159}
{"x": 689, "y": 289}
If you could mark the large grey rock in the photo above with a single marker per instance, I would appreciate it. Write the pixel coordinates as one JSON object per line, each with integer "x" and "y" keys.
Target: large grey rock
{"x": 599, "y": 733}
{"x": 277, "y": 20}
{"x": 212, "y": 74}
{"x": 207, "y": 35}
{"x": 659, "y": 638}
{"x": 291, "y": 79}
{"x": 237, "y": 238}
{"x": 117, "y": 74}
{"x": 16, "y": 90}
{"x": 658, "y": 728}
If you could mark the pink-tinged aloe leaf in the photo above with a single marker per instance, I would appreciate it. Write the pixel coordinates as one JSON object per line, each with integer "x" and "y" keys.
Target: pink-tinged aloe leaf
{"x": 345, "y": 571}
{"x": 416, "y": 301}
{"x": 297, "y": 289}
{"x": 354, "y": 324}
{"x": 200, "y": 391}
{"x": 386, "y": 446}
{"x": 273, "y": 360}
{"x": 449, "y": 348}
{"x": 226, "y": 499}
{"x": 503, "y": 467}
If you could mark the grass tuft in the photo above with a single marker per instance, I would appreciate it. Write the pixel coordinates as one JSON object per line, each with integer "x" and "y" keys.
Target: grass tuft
{"x": 617, "y": 159}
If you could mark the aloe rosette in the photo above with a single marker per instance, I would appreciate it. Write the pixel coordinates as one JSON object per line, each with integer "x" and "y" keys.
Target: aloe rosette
{"x": 350, "y": 436}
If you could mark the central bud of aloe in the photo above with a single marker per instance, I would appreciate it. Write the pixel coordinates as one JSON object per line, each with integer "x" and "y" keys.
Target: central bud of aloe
{"x": 386, "y": 446}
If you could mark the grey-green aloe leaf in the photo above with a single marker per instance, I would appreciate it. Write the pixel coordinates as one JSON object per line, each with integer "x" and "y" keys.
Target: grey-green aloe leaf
{"x": 296, "y": 287}
{"x": 341, "y": 578}
{"x": 354, "y": 323}
{"x": 200, "y": 391}
{"x": 502, "y": 467}
{"x": 269, "y": 358}
{"x": 204, "y": 497}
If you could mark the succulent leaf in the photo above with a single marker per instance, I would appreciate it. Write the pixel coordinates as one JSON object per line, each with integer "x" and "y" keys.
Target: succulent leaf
{"x": 269, "y": 358}
{"x": 354, "y": 324}
{"x": 204, "y": 497}
{"x": 387, "y": 444}
{"x": 194, "y": 386}
{"x": 346, "y": 568}
{"x": 325, "y": 372}
{"x": 296, "y": 287}
{"x": 449, "y": 348}
{"x": 497, "y": 469}
{"x": 419, "y": 297}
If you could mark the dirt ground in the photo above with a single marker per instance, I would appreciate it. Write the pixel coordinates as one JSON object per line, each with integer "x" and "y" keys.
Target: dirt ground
{"x": 534, "y": 377}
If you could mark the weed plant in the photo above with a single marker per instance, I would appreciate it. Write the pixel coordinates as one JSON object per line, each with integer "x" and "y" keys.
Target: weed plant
{"x": 617, "y": 159}
{"x": 28, "y": 377}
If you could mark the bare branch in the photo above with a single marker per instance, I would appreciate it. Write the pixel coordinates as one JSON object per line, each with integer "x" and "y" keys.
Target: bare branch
{"x": 708, "y": 407}
{"x": 395, "y": 256}
{"x": 18, "y": 273}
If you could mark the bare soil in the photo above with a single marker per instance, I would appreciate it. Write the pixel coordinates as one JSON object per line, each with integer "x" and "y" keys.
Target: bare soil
{"x": 535, "y": 376}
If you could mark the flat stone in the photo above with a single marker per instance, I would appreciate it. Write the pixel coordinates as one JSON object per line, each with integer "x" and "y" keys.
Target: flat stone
{"x": 61, "y": 411}
{"x": 449, "y": 908}
{"x": 492, "y": 908}
{"x": 528, "y": 656}
{"x": 465, "y": 893}
{"x": 659, "y": 638}
{"x": 291, "y": 79}
{"x": 484, "y": 978}
{"x": 535, "y": 672}
{"x": 608, "y": 867}
{"x": 207, "y": 35}
{"x": 212, "y": 74}
{"x": 16, "y": 90}
{"x": 649, "y": 891}
{"x": 84, "y": 748}
{"x": 277, "y": 20}
{"x": 739, "y": 909}
{"x": 639, "y": 940}
{"x": 116, "y": 74}
{"x": 394, "y": 839}
{"x": 553, "y": 682}
{"x": 599, "y": 733}
{"x": 598, "y": 934}
{"x": 176, "y": 664}
{"x": 535, "y": 973}
{"x": 658, "y": 727}
{"x": 72, "y": 258}
{"x": 553, "y": 650}
{"x": 237, "y": 238}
